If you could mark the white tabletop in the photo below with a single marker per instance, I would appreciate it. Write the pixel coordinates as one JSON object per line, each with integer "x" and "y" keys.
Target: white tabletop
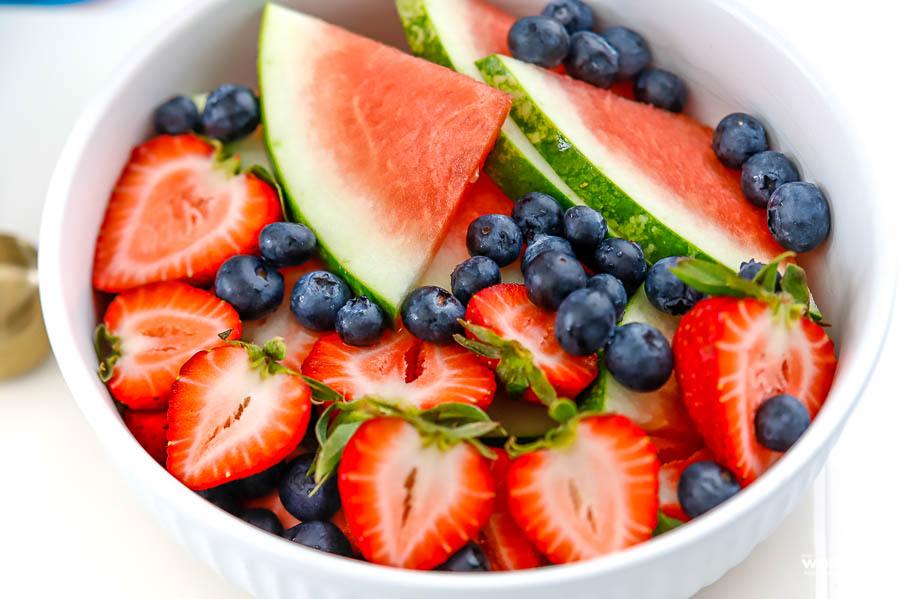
{"x": 69, "y": 526}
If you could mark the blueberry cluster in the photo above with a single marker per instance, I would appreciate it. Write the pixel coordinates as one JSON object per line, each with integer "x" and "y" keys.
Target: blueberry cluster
{"x": 228, "y": 113}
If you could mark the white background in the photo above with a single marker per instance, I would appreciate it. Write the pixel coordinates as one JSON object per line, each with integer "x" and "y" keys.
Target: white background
{"x": 69, "y": 527}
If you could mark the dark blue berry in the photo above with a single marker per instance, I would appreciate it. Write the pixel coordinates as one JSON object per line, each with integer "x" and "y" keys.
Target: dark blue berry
{"x": 323, "y": 536}
{"x": 468, "y": 559}
{"x": 259, "y": 484}
{"x": 639, "y": 357}
{"x": 231, "y": 112}
{"x": 316, "y": 298}
{"x": 703, "y": 486}
{"x": 574, "y": 15}
{"x": 551, "y": 277}
{"x": 765, "y": 172}
{"x": 738, "y": 137}
{"x": 545, "y": 243}
{"x": 472, "y": 275}
{"x": 780, "y": 421}
{"x": 264, "y": 519}
{"x": 660, "y": 88}
{"x": 252, "y": 286}
{"x": 432, "y": 314}
{"x": 613, "y": 289}
{"x": 749, "y": 270}
{"x": 310, "y": 441}
{"x": 176, "y": 116}
{"x": 295, "y": 488}
{"x": 799, "y": 217}
{"x": 622, "y": 259}
{"x": 287, "y": 244}
{"x": 592, "y": 59}
{"x": 634, "y": 53}
{"x": 585, "y": 228}
{"x": 222, "y": 497}
{"x": 666, "y": 292}
{"x": 585, "y": 322}
{"x": 539, "y": 40}
{"x": 495, "y": 236}
{"x": 537, "y": 213}
{"x": 359, "y": 322}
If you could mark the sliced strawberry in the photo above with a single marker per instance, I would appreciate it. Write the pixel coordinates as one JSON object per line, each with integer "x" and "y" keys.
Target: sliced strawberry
{"x": 149, "y": 429}
{"x": 401, "y": 367}
{"x": 230, "y": 417}
{"x": 506, "y": 310}
{"x": 669, "y": 475}
{"x": 670, "y": 450}
{"x": 409, "y": 504}
{"x": 149, "y": 332}
{"x": 177, "y": 213}
{"x": 596, "y": 495}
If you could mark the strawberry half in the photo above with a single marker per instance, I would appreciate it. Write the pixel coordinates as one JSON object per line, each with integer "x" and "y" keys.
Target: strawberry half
{"x": 402, "y": 368}
{"x": 234, "y": 411}
{"x": 410, "y": 504}
{"x": 670, "y": 450}
{"x": 149, "y": 429}
{"x": 149, "y": 332}
{"x": 177, "y": 213}
{"x": 669, "y": 475}
{"x": 594, "y": 493}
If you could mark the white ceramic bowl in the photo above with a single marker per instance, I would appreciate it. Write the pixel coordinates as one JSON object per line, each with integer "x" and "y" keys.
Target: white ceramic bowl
{"x": 731, "y": 61}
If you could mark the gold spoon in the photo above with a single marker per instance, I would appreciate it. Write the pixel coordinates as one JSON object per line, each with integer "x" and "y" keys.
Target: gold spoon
{"x": 23, "y": 340}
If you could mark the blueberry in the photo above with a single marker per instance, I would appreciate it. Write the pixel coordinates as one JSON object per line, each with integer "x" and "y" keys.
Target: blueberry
{"x": 613, "y": 289}
{"x": 176, "y": 116}
{"x": 639, "y": 357}
{"x": 585, "y": 322}
{"x": 264, "y": 519}
{"x": 472, "y": 275}
{"x": 295, "y": 488}
{"x": 799, "y": 217}
{"x": 763, "y": 173}
{"x": 252, "y": 286}
{"x": 622, "y": 259}
{"x": 738, "y": 137}
{"x": 585, "y": 228}
{"x": 573, "y": 14}
{"x": 545, "y": 243}
{"x": 592, "y": 59}
{"x": 539, "y": 40}
{"x": 495, "y": 236}
{"x": 660, "y": 88}
{"x": 703, "y": 486}
{"x": 537, "y": 213}
{"x": 316, "y": 298}
{"x": 551, "y": 277}
{"x": 231, "y": 112}
{"x": 287, "y": 244}
{"x": 468, "y": 559}
{"x": 667, "y": 292}
{"x": 749, "y": 270}
{"x": 432, "y": 314}
{"x": 780, "y": 421}
{"x": 259, "y": 484}
{"x": 323, "y": 536}
{"x": 310, "y": 442}
{"x": 634, "y": 53}
{"x": 222, "y": 497}
{"x": 359, "y": 322}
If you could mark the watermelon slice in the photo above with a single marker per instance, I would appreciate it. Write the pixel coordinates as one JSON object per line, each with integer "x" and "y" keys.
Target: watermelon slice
{"x": 652, "y": 173}
{"x": 374, "y": 148}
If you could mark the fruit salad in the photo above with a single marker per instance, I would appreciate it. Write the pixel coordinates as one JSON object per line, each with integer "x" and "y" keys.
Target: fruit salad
{"x": 496, "y": 304}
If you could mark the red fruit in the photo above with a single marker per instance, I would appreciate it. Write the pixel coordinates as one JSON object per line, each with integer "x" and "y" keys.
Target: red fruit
{"x": 669, "y": 475}
{"x": 408, "y": 504}
{"x": 178, "y": 213}
{"x": 229, "y": 420}
{"x": 401, "y": 367}
{"x": 670, "y": 450}
{"x": 151, "y": 331}
{"x": 506, "y": 310}
{"x": 731, "y": 355}
{"x": 149, "y": 429}
{"x": 597, "y": 495}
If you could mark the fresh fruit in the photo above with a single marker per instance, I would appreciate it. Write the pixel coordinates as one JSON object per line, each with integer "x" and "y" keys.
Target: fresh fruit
{"x": 359, "y": 322}
{"x": 669, "y": 475}
{"x": 468, "y": 559}
{"x": 543, "y": 41}
{"x": 634, "y": 53}
{"x": 799, "y": 216}
{"x": 384, "y": 219}
{"x": 233, "y": 412}
{"x": 573, "y": 14}
{"x": 737, "y": 137}
{"x": 666, "y": 292}
{"x": 223, "y": 497}
{"x": 401, "y": 368}
{"x": 252, "y": 286}
{"x": 704, "y": 485}
{"x": 780, "y": 421}
{"x": 639, "y": 357}
{"x": 495, "y": 236}
{"x": 149, "y": 332}
{"x": 264, "y": 520}
{"x": 316, "y": 298}
{"x": 272, "y": 502}
{"x": 432, "y": 314}
{"x": 178, "y": 212}
{"x": 613, "y": 289}
{"x": 551, "y": 277}
{"x": 296, "y": 492}
{"x": 323, "y": 536}
{"x": 149, "y": 429}
{"x": 411, "y": 504}
{"x": 231, "y": 112}
{"x": 585, "y": 228}
{"x": 593, "y": 495}
{"x": 585, "y": 322}
{"x": 763, "y": 173}
{"x": 537, "y": 213}
{"x": 592, "y": 59}
{"x": 473, "y": 275}
{"x": 176, "y": 116}
{"x": 261, "y": 483}
{"x": 545, "y": 243}
{"x": 286, "y": 244}
{"x": 661, "y": 88}
{"x": 750, "y": 269}
{"x": 622, "y": 259}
